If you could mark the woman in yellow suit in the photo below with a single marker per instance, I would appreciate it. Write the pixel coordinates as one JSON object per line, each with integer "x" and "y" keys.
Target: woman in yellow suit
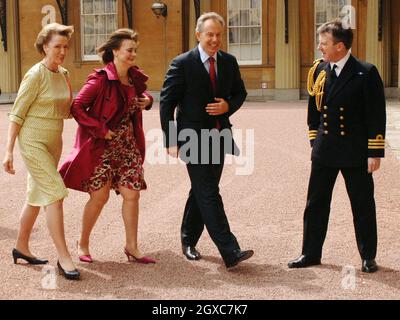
{"x": 43, "y": 101}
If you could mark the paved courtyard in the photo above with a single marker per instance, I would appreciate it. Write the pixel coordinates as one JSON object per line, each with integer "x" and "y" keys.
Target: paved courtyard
{"x": 265, "y": 209}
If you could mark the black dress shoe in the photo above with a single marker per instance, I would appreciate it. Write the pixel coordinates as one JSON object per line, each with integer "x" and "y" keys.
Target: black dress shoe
{"x": 304, "y": 262}
{"x": 191, "y": 253}
{"x": 369, "y": 266}
{"x": 238, "y": 256}
{"x": 18, "y": 255}
{"x": 70, "y": 275}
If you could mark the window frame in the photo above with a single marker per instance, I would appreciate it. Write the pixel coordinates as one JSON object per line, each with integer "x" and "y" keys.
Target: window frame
{"x": 76, "y": 21}
{"x": 91, "y": 57}
{"x": 326, "y": 4}
{"x": 241, "y": 62}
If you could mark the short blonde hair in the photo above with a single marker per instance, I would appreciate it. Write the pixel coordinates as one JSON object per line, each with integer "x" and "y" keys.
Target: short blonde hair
{"x": 206, "y": 16}
{"x": 46, "y": 34}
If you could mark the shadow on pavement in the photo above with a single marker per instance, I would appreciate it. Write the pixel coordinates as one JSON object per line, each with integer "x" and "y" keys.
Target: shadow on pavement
{"x": 6, "y": 234}
{"x": 127, "y": 280}
{"x": 383, "y": 275}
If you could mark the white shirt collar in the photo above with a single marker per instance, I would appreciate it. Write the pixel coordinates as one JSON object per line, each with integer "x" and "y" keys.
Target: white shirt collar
{"x": 204, "y": 56}
{"x": 341, "y": 63}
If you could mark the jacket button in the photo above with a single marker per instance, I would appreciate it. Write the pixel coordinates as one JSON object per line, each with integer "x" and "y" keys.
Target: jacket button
{"x": 325, "y": 116}
{"x": 342, "y": 109}
{"x": 326, "y": 132}
{"x": 325, "y": 124}
{"x": 342, "y": 133}
{"x": 341, "y": 118}
{"x": 342, "y": 126}
{"x": 325, "y": 108}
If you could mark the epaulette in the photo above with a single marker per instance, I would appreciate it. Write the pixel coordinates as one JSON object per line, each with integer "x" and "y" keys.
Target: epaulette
{"x": 316, "y": 88}
{"x": 318, "y": 61}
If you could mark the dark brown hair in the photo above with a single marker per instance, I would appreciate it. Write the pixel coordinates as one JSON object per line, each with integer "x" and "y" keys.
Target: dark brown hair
{"x": 114, "y": 42}
{"x": 338, "y": 32}
{"x": 46, "y": 34}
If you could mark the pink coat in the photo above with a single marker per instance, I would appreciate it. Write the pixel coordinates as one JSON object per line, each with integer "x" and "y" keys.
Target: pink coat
{"x": 97, "y": 108}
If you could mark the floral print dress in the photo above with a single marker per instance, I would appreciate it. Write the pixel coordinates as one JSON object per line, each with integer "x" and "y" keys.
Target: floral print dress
{"x": 121, "y": 162}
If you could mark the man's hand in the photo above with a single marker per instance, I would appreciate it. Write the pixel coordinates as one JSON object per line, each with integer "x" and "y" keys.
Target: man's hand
{"x": 218, "y": 108}
{"x": 173, "y": 151}
{"x": 373, "y": 164}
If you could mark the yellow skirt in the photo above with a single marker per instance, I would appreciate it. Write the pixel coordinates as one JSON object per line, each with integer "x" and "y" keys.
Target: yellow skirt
{"x": 40, "y": 142}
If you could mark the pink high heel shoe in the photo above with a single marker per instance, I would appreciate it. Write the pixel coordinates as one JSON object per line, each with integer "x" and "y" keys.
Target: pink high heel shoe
{"x": 144, "y": 260}
{"x": 86, "y": 258}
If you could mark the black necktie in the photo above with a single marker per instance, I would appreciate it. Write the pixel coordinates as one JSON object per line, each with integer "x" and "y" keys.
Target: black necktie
{"x": 333, "y": 72}
{"x": 332, "y": 77}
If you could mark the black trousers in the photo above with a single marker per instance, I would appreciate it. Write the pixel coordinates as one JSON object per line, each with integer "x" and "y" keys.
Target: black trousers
{"x": 360, "y": 188}
{"x": 204, "y": 207}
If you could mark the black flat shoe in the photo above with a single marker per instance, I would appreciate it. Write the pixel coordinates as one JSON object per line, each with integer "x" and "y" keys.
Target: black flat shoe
{"x": 304, "y": 262}
{"x": 191, "y": 253}
{"x": 369, "y": 266}
{"x": 18, "y": 255}
{"x": 70, "y": 275}
{"x": 238, "y": 256}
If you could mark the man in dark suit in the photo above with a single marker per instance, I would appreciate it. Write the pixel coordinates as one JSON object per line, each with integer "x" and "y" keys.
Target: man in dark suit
{"x": 205, "y": 86}
{"x": 347, "y": 119}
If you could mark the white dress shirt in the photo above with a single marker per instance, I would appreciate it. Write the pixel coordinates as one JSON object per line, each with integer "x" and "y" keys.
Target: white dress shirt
{"x": 341, "y": 63}
{"x": 204, "y": 58}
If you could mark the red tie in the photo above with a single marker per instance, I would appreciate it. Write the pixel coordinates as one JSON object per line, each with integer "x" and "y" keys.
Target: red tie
{"x": 213, "y": 79}
{"x": 213, "y": 76}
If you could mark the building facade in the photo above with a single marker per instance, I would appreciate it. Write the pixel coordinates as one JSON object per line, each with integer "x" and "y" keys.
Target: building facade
{"x": 273, "y": 40}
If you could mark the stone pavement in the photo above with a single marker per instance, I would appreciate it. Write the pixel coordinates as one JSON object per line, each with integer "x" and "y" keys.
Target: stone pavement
{"x": 393, "y": 126}
{"x": 265, "y": 210}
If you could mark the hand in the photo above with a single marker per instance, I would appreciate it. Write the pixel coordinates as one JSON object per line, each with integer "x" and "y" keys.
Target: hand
{"x": 373, "y": 164}
{"x": 109, "y": 135}
{"x": 143, "y": 102}
{"x": 218, "y": 108}
{"x": 173, "y": 151}
{"x": 8, "y": 163}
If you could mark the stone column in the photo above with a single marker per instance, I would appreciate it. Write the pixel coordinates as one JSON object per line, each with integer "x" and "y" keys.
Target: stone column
{"x": 378, "y": 52}
{"x": 9, "y": 61}
{"x": 387, "y": 44}
{"x": 287, "y": 66}
{"x": 192, "y": 26}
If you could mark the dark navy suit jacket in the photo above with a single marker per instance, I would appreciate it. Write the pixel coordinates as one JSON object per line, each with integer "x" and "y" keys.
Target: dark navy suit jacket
{"x": 187, "y": 88}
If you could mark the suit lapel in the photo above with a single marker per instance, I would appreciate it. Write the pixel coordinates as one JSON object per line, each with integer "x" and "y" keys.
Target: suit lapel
{"x": 221, "y": 72}
{"x": 346, "y": 74}
{"x": 202, "y": 70}
{"x": 327, "y": 69}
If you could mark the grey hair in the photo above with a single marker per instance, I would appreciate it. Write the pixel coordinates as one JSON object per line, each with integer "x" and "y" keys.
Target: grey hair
{"x": 206, "y": 16}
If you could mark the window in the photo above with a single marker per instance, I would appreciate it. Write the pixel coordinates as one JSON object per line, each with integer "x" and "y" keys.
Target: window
{"x": 98, "y": 21}
{"x": 327, "y": 10}
{"x": 244, "y": 31}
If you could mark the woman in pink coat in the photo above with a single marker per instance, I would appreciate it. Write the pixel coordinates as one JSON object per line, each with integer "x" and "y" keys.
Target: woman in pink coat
{"x": 110, "y": 146}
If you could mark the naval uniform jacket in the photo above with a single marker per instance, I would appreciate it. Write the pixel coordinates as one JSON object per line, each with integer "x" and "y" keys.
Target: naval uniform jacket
{"x": 350, "y": 128}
